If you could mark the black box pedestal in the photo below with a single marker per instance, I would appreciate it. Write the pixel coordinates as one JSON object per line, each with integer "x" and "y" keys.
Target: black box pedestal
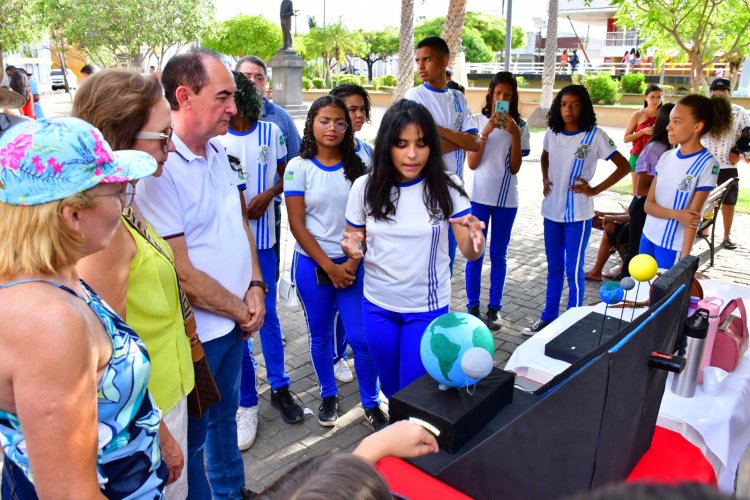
{"x": 455, "y": 413}
{"x": 583, "y": 336}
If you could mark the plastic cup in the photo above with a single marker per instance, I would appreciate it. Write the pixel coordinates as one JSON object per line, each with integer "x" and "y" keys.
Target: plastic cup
{"x": 712, "y": 379}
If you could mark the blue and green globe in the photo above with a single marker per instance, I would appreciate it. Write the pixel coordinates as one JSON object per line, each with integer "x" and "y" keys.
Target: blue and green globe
{"x": 446, "y": 340}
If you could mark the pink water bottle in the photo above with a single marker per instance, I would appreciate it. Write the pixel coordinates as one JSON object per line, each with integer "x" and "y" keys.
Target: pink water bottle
{"x": 713, "y": 306}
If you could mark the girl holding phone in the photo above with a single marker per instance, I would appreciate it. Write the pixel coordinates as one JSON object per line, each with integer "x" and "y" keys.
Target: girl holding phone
{"x": 316, "y": 187}
{"x": 401, "y": 212}
{"x": 573, "y": 145}
{"x": 504, "y": 140}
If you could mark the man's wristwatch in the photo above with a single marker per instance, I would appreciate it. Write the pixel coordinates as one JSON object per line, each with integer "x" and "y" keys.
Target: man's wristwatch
{"x": 260, "y": 284}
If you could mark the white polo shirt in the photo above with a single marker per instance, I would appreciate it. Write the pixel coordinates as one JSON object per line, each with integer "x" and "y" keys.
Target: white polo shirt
{"x": 494, "y": 184}
{"x": 325, "y": 191}
{"x": 449, "y": 109}
{"x": 407, "y": 267}
{"x": 197, "y": 198}
{"x": 678, "y": 177}
{"x": 260, "y": 150}
{"x": 571, "y": 155}
{"x": 364, "y": 151}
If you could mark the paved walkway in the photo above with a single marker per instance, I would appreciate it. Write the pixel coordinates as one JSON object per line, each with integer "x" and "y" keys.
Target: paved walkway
{"x": 279, "y": 446}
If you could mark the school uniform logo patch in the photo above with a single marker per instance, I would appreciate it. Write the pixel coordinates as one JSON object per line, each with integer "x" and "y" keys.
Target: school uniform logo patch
{"x": 582, "y": 152}
{"x": 263, "y": 155}
{"x": 686, "y": 183}
{"x": 715, "y": 169}
{"x": 282, "y": 139}
{"x": 288, "y": 176}
{"x": 436, "y": 216}
{"x": 459, "y": 121}
{"x": 611, "y": 143}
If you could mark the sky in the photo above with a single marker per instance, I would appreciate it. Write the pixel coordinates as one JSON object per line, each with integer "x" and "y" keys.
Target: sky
{"x": 372, "y": 15}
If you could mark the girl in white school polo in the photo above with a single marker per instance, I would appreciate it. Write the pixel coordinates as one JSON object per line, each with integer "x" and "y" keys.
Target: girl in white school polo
{"x": 573, "y": 145}
{"x": 401, "y": 212}
{"x": 504, "y": 140}
{"x": 684, "y": 177}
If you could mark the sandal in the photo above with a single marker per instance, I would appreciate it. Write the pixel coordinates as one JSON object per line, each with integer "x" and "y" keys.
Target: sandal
{"x": 729, "y": 244}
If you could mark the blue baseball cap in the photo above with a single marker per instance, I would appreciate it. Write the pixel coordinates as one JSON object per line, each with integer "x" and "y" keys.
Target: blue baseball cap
{"x": 48, "y": 160}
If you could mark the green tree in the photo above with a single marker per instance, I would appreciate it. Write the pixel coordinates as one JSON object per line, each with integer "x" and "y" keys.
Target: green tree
{"x": 19, "y": 26}
{"x": 175, "y": 24}
{"x": 377, "y": 46}
{"x": 708, "y": 31}
{"x": 243, "y": 35}
{"x": 481, "y": 38}
{"x": 333, "y": 43}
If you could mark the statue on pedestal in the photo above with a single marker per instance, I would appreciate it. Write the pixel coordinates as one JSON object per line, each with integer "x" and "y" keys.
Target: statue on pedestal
{"x": 287, "y": 11}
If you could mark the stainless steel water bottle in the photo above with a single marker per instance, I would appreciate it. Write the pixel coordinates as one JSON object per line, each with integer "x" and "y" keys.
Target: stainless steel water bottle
{"x": 694, "y": 331}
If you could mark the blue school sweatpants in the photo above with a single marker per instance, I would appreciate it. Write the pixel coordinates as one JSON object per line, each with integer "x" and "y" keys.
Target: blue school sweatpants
{"x": 565, "y": 244}
{"x": 319, "y": 303}
{"x": 665, "y": 258}
{"x": 502, "y": 219}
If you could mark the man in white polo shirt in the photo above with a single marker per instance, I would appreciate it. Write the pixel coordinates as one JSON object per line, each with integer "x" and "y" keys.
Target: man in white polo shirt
{"x": 195, "y": 207}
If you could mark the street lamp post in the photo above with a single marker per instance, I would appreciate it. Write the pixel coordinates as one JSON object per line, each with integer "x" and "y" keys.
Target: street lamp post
{"x": 508, "y": 34}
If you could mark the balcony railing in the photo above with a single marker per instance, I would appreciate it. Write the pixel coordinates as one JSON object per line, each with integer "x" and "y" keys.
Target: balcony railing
{"x": 623, "y": 39}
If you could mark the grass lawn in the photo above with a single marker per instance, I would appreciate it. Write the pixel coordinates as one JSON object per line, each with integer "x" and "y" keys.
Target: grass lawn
{"x": 743, "y": 202}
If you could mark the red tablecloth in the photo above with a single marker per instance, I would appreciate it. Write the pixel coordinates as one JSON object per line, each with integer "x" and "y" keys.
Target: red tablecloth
{"x": 670, "y": 460}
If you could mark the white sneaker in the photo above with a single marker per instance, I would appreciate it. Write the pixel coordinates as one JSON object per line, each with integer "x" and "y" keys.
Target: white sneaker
{"x": 342, "y": 372}
{"x": 247, "y": 426}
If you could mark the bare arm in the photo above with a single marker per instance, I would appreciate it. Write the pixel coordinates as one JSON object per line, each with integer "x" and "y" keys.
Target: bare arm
{"x": 546, "y": 185}
{"x": 688, "y": 236}
{"x": 469, "y": 236}
{"x": 461, "y": 140}
{"x": 204, "y": 291}
{"x": 259, "y": 204}
{"x": 107, "y": 270}
{"x": 54, "y": 380}
{"x": 688, "y": 216}
{"x": 623, "y": 169}
{"x": 401, "y": 439}
{"x": 643, "y": 183}
{"x": 632, "y": 124}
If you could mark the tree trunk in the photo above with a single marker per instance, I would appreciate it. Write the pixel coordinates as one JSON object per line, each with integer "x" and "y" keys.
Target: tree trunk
{"x": 539, "y": 118}
{"x": 2, "y": 56}
{"x": 454, "y": 24}
{"x": 370, "y": 65}
{"x": 405, "y": 50}
{"x": 696, "y": 71}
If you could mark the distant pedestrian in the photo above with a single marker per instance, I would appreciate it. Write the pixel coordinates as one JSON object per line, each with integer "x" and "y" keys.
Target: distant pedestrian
{"x": 19, "y": 83}
{"x": 564, "y": 61}
{"x": 574, "y": 61}
{"x": 86, "y": 71}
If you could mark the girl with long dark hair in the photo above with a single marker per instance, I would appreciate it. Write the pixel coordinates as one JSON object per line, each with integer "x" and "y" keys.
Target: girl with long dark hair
{"x": 568, "y": 207}
{"x": 400, "y": 213}
{"x": 503, "y": 141}
{"x": 316, "y": 187}
{"x": 641, "y": 125}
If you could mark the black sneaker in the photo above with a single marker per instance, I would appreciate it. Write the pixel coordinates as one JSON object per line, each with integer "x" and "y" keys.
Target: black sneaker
{"x": 246, "y": 493}
{"x": 535, "y": 328}
{"x": 291, "y": 412}
{"x": 377, "y": 417}
{"x": 474, "y": 311}
{"x": 328, "y": 412}
{"x": 493, "y": 319}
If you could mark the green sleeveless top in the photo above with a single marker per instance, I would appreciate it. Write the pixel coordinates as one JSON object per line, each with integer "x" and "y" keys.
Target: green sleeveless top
{"x": 153, "y": 310}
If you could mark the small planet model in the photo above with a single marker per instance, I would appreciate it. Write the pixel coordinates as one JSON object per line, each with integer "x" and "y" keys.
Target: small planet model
{"x": 627, "y": 283}
{"x": 642, "y": 267}
{"x": 611, "y": 292}
{"x": 476, "y": 363}
{"x": 446, "y": 341}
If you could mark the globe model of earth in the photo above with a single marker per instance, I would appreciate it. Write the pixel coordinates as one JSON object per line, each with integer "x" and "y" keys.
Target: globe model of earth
{"x": 446, "y": 340}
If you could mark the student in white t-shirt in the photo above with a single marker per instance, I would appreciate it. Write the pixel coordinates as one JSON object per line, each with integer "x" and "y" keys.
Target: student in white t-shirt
{"x": 494, "y": 192}
{"x": 684, "y": 177}
{"x": 358, "y": 103}
{"x": 400, "y": 213}
{"x": 449, "y": 109}
{"x": 316, "y": 187}
{"x": 573, "y": 145}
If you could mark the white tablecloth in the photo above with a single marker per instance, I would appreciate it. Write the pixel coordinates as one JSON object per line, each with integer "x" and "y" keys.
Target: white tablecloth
{"x": 718, "y": 425}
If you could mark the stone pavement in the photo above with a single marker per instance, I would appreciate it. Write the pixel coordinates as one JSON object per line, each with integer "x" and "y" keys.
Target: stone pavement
{"x": 279, "y": 446}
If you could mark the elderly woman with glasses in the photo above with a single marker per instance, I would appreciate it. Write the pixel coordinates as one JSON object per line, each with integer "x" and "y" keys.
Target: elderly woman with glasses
{"x": 135, "y": 273}
{"x": 76, "y": 418}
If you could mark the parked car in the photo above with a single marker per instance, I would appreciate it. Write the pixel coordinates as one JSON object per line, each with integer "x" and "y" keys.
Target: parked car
{"x": 58, "y": 82}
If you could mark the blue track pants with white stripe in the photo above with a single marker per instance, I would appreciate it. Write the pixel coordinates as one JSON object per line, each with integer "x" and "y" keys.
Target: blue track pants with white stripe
{"x": 565, "y": 244}
{"x": 319, "y": 303}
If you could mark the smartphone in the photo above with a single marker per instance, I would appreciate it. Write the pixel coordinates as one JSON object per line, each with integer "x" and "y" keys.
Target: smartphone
{"x": 502, "y": 106}
{"x": 322, "y": 277}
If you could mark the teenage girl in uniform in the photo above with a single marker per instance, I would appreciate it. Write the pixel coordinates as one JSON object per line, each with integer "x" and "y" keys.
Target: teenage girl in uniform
{"x": 494, "y": 195}
{"x": 400, "y": 213}
{"x": 684, "y": 177}
{"x": 573, "y": 145}
{"x": 316, "y": 186}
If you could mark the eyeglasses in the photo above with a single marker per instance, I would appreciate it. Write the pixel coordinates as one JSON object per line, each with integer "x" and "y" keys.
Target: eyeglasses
{"x": 126, "y": 195}
{"x": 165, "y": 137}
{"x": 339, "y": 126}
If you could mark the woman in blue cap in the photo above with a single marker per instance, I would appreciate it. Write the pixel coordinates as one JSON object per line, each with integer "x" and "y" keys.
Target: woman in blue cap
{"x": 76, "y": 419}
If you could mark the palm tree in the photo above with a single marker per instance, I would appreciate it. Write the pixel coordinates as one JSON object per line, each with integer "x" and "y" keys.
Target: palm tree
{"x": 454, "y": 23}
{"x": 405, "y": 50}
{"x": 539, "y": 118}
